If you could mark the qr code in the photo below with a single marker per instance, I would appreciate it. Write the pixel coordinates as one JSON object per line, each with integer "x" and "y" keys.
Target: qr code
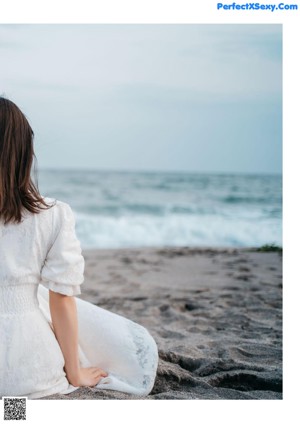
{"x": 14, "y": 408}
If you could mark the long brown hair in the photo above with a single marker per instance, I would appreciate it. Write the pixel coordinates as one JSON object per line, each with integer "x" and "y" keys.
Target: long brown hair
{"x": 17, "y": 190}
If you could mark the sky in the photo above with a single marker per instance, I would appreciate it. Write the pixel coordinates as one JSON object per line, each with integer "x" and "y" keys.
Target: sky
{"x": 148, "y": 97}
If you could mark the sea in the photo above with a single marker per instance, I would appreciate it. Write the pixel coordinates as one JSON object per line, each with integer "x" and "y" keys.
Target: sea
{"x": 116, "y": 209}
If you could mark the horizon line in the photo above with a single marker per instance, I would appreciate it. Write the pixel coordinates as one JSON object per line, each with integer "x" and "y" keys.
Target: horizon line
{"x": 152, "y": 171}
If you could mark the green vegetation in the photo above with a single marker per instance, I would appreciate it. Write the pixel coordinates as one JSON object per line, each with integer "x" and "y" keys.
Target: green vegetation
{"x": 269, "y": 248}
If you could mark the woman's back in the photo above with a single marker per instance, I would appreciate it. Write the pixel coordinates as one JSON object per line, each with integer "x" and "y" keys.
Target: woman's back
{"x": 30, "y": 253}
{"x": 24, "y": 246}
{"x": 42, "y": 248}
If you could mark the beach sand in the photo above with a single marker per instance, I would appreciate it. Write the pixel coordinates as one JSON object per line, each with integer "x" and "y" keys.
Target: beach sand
{"x": 215, "y": 313}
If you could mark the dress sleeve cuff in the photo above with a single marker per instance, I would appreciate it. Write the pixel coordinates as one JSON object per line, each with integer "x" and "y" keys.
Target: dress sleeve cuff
{"x": 66, "y": 289}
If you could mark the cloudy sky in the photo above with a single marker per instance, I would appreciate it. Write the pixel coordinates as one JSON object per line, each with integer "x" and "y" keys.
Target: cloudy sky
{"x": 166, "y": 97}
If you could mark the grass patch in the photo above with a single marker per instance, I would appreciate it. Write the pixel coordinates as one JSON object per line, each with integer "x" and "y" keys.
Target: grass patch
{"x": 269, "y": 248}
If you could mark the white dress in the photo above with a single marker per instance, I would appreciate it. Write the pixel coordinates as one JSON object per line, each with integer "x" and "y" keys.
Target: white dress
{"x": 42, "y": 253}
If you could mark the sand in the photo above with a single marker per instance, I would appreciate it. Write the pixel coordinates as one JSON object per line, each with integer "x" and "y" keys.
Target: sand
{"x": 216, "y": 315}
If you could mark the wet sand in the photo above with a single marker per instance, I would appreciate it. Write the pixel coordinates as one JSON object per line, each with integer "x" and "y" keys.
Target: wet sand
{"x": 215, "y": 313}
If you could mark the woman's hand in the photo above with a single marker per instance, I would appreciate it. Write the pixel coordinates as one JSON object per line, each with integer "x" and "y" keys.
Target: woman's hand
{"x": 65, "y": 325}
{"x": 87, "y": 377}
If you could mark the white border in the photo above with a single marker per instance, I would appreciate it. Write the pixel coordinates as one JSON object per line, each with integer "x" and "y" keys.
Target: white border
{"x": 188, "y": 11}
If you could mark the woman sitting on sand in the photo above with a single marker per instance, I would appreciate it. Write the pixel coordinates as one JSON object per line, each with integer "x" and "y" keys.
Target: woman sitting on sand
{"x": 51, "y": 341}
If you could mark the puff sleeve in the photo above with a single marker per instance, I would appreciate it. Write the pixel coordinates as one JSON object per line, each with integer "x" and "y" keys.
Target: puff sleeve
{"x": 63, "y": 267}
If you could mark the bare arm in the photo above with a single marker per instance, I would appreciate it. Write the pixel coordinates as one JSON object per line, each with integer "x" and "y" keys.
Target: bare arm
{"x": 65, "y": 323}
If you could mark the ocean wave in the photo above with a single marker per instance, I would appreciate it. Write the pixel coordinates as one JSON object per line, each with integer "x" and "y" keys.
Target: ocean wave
{"x": 248, "y": 199}
{"x": 128, "y": 209}
{"x": 174, "y": 230}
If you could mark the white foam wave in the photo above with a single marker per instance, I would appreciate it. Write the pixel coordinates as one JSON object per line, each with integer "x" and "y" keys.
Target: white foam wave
{"x": 176, "y": 230}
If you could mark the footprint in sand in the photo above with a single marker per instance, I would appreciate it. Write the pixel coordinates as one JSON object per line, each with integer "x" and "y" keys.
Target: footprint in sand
{"x": 166, "y": 334}
{"x": 194, "y": 330}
